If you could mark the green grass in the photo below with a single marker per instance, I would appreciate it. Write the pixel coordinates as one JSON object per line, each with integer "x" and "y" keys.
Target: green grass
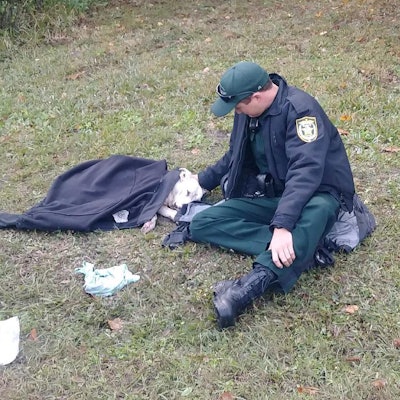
{"x": 138, "y": 78}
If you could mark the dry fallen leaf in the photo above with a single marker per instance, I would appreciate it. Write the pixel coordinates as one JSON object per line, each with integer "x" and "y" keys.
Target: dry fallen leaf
{"x": 307, "y": 389}
{"x": 342, "y": 132}
{"x": 379, "y": 383}
{"x": 350, "y": 309}
{"x": 33, "y": 335}
{"x": 353, "y": 359}
{"x": 391, "y": 149}
{"x": 226, "y": 396}
{"x": 74, "y": 77}
{"x": 345, "y": 117}
{"x": 230, "y": 35}
{"x": 115, "y": 324}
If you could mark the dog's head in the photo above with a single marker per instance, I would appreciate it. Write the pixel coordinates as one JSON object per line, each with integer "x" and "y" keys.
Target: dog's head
{"x": 186, "y": 190}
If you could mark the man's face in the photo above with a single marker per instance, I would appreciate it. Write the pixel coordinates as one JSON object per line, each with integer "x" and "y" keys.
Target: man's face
{"x": 250, "y": 106}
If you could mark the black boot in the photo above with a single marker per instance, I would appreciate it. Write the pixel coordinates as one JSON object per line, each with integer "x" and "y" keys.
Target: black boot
{"x": 232, "y": 297}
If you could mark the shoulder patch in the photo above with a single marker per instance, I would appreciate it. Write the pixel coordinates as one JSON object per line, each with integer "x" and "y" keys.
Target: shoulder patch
{"x": 307, "y": 129}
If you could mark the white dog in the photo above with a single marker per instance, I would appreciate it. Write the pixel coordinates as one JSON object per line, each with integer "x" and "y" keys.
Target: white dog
{"x": 186, "y": 190}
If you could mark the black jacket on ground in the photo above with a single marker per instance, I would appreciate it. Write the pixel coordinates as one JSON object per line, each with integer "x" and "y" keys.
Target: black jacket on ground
{"x": 86, "y": 197}
{"x": 299, "y": 167}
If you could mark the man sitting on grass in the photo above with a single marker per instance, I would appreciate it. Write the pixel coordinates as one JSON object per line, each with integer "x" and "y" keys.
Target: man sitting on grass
{"x": 287, "y": 177}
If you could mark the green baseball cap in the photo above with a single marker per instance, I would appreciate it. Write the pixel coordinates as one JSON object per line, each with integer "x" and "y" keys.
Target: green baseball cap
{"x": 237, "y": 83}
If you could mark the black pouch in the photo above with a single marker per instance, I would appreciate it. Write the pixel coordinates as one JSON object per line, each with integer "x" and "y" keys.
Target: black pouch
{"x": 261, "y": 185}
{"x": 267, "y": 183}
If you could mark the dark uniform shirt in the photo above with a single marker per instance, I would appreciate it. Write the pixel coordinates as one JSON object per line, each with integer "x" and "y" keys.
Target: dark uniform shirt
{"x": 257, "y": 145}
{"x": 303, "y": 150}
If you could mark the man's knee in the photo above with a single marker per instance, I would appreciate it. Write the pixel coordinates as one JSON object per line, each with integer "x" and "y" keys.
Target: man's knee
{"x": 198, "y": 224}
{"x": 323, "y": 205}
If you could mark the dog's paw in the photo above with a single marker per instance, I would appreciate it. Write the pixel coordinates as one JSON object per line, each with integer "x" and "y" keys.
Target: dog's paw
{"x": 149, "y": 225}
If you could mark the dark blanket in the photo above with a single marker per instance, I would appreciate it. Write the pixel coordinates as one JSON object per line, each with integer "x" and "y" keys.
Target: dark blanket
{"x": 86, "y": 197}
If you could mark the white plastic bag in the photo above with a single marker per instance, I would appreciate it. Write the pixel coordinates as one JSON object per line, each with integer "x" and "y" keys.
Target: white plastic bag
{"x": 106, "y": 281}
{"x": 9, "y": 340}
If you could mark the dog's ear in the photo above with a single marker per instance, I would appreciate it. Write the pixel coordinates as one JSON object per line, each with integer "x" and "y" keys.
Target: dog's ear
{"x": 184, "y": 174}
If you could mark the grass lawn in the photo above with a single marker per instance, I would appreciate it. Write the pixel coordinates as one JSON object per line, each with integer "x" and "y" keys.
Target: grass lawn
{"x": 138, "y": 78}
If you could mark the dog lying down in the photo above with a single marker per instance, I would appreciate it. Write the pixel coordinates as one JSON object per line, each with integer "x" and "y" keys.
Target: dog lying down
{"x": 186, "y": 190}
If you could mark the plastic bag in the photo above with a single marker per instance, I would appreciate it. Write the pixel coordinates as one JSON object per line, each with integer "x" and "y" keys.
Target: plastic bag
{"x": 9, "y": 340}
{"x": 105, "y": 282}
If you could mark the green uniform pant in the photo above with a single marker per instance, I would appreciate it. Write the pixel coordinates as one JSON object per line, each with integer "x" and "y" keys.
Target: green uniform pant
{"x": 243, "y": 225}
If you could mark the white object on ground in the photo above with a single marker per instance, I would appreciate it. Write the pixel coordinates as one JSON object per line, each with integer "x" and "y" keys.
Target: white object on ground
{"x": 9, "y": 340}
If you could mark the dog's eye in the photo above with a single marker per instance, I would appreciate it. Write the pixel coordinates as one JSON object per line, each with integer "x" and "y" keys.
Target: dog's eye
{"x": 188, "y": 193}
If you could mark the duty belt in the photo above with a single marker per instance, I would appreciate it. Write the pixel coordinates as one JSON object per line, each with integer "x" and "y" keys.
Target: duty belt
{"x": 266, "y": 187}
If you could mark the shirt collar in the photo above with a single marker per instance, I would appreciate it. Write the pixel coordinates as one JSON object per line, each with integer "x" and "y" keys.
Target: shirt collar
{"x": 276, "y": 106}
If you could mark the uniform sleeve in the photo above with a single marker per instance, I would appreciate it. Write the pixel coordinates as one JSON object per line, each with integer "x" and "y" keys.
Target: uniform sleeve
{"x": 211, "y": 177}
{"x": 307, "y": 143}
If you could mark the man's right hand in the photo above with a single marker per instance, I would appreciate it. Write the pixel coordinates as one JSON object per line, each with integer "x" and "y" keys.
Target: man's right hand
{"x": 281, "y": 247}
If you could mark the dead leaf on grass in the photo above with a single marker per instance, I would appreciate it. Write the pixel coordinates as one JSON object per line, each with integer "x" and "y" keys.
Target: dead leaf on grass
{"x": 33, "y": 335}
{"x": 379, "y": 383}
{"x": 229, "y": 35}
{"x": 391, "y": 149}
{"x": 115, "y": 324}
{"x": 307, "y": 389}
{"x": 343, "y": 132}
{"x": 345, "y": 117}
{"x": 226, "y": 396}
{"x": 353, "y": 359}
{"x": 350, "y": 309}
{"x": 74, "y": 77}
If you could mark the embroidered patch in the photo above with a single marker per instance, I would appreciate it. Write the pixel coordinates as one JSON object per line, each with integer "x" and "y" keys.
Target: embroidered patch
{"x": 307, "y": 129}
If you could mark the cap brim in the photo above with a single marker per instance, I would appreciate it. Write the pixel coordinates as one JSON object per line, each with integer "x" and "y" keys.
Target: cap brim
{"x": 221, "y": 107}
